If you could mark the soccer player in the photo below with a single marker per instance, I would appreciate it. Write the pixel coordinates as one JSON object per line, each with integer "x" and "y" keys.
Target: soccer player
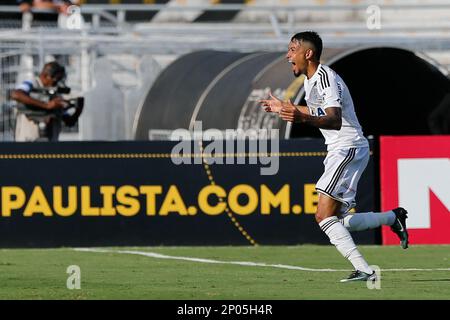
{"x": 330, "y": 108}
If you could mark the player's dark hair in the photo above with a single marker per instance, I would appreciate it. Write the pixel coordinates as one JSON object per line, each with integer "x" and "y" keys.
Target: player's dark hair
{"x": 55, "y": 70}
{"x": 313, "y": 38}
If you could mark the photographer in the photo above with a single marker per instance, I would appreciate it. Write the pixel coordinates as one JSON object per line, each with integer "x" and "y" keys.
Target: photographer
{"x": 41, "y": 109}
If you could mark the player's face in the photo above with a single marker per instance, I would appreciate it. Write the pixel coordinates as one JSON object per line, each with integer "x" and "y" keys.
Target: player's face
{"x": 296, "y": 56}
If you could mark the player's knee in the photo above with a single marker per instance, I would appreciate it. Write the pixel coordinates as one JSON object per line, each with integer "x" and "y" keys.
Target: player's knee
{"x": 323, "y": 214}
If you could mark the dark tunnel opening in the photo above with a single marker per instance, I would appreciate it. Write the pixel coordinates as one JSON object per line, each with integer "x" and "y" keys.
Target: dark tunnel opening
{"x": 394, "y": 91}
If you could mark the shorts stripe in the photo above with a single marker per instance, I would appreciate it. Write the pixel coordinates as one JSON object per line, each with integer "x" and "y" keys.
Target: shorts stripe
{"x": 339, "y": 170}
{"x": 334, "y": 175}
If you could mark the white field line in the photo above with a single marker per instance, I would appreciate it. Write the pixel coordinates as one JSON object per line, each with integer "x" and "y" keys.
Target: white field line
{"x": 241, "y": 263}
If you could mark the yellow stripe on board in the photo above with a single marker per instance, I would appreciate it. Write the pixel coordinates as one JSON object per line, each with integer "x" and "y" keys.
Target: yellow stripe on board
{"x": 155, "y": 155}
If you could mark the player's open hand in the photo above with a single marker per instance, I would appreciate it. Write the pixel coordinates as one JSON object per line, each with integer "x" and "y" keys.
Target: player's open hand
{"x": 273, "y": 104}
{"x": 289, "y": 112}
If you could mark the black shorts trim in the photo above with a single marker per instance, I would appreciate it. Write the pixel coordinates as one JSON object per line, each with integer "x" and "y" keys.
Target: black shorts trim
{"x": 333, "y": 197}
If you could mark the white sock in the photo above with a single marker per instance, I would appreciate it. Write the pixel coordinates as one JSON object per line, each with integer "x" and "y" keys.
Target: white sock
{"x": 341, "y": 238}
{"x": 367, "y": 220}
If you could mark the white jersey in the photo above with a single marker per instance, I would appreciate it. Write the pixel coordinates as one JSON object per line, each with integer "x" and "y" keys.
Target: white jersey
{"x": 327, "y": 89}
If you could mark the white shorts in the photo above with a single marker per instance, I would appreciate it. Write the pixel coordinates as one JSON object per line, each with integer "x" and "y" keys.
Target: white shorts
{"x": 343, "y": 168}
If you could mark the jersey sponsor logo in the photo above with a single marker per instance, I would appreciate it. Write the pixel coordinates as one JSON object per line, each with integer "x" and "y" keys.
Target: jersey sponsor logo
{"x": 320, "y": 112}
{"x": 315, "y": 102}
{"x": 317, "y": 112}
{"x": 339, "y": 91}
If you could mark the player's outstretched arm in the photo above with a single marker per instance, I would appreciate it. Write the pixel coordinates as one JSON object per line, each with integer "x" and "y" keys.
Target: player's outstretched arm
{"x": 273, "y": 104}
{"x": 331, "y": 121}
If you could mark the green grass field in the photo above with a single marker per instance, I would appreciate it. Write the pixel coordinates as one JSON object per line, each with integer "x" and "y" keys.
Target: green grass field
{"x": 41, "y": 273}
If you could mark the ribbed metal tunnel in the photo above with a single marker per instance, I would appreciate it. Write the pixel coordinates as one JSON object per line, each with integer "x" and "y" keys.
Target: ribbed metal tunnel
{"x": 394, "y": 91}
